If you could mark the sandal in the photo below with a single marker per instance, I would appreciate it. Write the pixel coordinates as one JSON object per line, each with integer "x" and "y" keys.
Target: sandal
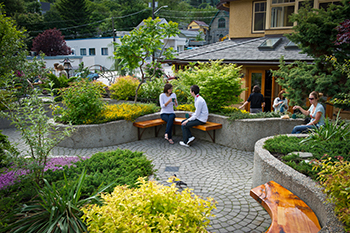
{"x": 166, "y": 137}
{"x": 171, "y": 141}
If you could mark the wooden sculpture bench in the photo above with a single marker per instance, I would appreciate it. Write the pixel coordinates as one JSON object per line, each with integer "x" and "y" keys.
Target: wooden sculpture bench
{"x": 287, "y": 211}
{"x": 158, "y": 122}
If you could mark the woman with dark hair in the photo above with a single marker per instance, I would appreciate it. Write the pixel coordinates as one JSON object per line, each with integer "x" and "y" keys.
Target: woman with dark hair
{"x": 316, "y": 112}
{"x": 280, "y": 104}
{"x": 256, "y": 99}
{"x": 167, "y": 100}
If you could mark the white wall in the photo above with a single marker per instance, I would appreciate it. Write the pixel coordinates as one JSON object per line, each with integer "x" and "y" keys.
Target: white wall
{"x": 97, "y": 44}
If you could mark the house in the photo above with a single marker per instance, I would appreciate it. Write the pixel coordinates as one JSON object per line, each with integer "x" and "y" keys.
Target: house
{"x": 176, "y": 42}
{"x": 218, "y": 27}
{"x": 197, "y": 25}
{"x": 256, "y": 43}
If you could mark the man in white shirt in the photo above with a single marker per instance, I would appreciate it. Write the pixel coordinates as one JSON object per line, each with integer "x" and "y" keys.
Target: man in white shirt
{"x": 199, "y": 117}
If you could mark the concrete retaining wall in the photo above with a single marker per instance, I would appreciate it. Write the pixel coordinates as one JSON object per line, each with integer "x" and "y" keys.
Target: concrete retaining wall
{"x": 267, "y": 168}
{"x": 240, "y": 134}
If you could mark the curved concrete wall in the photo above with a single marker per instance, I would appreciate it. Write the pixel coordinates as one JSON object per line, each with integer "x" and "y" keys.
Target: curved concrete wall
{"x": 240, "y": 134}
{"x": 267, "y": 168}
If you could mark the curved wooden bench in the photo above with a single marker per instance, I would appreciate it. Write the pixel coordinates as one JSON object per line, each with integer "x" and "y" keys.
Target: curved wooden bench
{"x": 287, "y": 211}
{"x": 208, "y": 126}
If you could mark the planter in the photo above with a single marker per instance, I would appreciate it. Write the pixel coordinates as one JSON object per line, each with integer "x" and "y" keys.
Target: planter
{"x": 267, "y": 168}
{"x": 240, "y": 134}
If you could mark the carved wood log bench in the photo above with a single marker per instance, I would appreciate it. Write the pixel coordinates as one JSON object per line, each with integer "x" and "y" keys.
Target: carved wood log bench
{"x": 287, "y": 211}
{"x": 208, "y": 126}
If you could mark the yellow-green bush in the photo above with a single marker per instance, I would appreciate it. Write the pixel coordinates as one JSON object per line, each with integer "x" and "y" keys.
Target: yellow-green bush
{"x": 124, "y": 87}
{"x": 150, "y": 208}
{"x": 335, "y": 178}
{"x": 230, "y": 109}
{"x": 186, "y": 107}
{"x": 5, "y": 97}
{"x": 126, "y": 111}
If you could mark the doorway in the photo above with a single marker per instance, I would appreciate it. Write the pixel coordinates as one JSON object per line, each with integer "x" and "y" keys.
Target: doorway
{"x": 264, "y": 79}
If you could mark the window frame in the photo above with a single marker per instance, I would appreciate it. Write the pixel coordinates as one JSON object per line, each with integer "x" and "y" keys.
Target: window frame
{"x": 222, "y": 23}
{"x": 106, "y": 49}
{"x": 82, "y": 49}
{"x": 92, "y": 49}
{"x": 253, "y": 20}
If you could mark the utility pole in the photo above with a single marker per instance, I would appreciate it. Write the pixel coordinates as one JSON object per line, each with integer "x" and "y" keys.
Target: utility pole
{"x": 113, "y": 29}
{"x": 153, "y": 7}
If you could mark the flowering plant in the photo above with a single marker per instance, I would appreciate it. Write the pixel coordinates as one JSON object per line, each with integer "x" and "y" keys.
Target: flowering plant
{"x": 154, "y": 69}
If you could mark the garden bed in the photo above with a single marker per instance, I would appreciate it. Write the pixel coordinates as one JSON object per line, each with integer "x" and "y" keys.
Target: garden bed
{"x": 267, "y": 168}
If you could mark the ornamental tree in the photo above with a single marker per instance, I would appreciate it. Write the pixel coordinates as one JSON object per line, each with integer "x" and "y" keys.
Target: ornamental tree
{"x": 51, "y": 42}
{"x": 344, "y": 32}
{"x": 142, "y": 43}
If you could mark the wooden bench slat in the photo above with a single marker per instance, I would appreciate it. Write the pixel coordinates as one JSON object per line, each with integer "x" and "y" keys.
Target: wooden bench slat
{"x": 149, "y": 123}
{"x": 206, "y": 127}
{"x": 287, "y": 211}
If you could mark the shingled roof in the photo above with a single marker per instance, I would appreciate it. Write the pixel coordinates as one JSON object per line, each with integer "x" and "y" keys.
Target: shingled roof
{"x": 243, "y": 51}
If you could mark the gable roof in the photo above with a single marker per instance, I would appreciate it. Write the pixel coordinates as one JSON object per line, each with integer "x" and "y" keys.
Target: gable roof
{"x": 200, "y": 23}
{"x": 243, "y": 51}
{"x": 216, "y": 15}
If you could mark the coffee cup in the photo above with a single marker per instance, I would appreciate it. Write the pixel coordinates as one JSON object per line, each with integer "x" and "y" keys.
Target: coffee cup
{"x": 187, "y": 115}
{"x": 173, "y": 99}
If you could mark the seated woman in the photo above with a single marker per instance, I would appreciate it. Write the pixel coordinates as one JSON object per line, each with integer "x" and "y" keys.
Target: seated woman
{"x": 167, "y": 100}
{"x": 280, "y": 104}
{"x": 316, "y": 112}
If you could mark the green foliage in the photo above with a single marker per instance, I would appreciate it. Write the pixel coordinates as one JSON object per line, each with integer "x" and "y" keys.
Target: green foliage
{"x": 55, "y": 209}
{"x": 152, "y": 207}
{"x": 341, "y": 100}
{"x": 12, "y": 42}
{"x": 219, "y": 83}
{"x": 154, "y": 69}
{"x": 142, "y": 42}
{"x": 337, "y": 131}
{"x": 335, "y": 178}
{"x": 124, "y": 87}
{"x": 284, "y": 144}
{"x": 152, "y": 89}
{"x": 6, "y": 97}
{"x": 82, "y": 102}
{"x": 182, "y": 93}
{"x": 37, "y": 132}
{"x": 242, "y": 114}
{"x": 5, "y": 146}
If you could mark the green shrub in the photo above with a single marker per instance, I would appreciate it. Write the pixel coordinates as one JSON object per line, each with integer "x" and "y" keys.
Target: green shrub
{"x": 124, "y": 87}
{"x": 5, "y": 98}
{"x": 82, "y": 102}
{"x": 120, "y": 166}
{"x": 5, "y": 146}
{"x": 335, "y": 178}
{"x": 151, "y": 90}
{"x": 220, "y": 84}
{"x": 55, "y": 209}
{"x": 182, "y": 92}
{"x": 154, "y": 69}
{"x": 150, "y": 208}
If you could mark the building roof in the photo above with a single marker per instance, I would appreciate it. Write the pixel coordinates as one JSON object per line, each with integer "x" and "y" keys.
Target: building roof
{"x": 216, "y": 15}
{"x": 243, "y": 51}
{"x": 189, "y": 33}
{"x": 200, "y": 23}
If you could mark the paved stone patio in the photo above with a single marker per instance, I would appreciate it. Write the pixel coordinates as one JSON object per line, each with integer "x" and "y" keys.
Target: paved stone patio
{"x": 211, "y": 170}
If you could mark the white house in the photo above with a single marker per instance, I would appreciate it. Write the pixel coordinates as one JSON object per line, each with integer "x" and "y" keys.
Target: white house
{"x": 94, "y": 51}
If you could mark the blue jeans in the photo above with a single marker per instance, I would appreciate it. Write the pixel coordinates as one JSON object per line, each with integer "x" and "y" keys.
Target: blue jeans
{"x": 169, "y": 119}
{"x": 302, "y": 129}
{"x": 186, "y": 132}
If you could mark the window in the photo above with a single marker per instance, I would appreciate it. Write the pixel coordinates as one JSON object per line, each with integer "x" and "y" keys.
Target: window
{"x": 82, "y": 52}
{"x": 270, "y": 43}
{"x": 222, "y": 22}
{"x": 259, "y": 16}
{"x": 280, "y": 11}
{"x": 92, "y": 52}
{"x": 325, "y": 5}
{"x": 104, "y": 51}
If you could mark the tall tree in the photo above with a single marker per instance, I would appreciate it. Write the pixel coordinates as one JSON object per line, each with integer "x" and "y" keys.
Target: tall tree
{"x": 76, "y": 15}
{"x": 51, "y": 42}
{"x": 142, "y": 42}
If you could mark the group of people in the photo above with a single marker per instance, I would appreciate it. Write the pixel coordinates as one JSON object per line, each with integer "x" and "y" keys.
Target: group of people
{"x": 168, "y": 100}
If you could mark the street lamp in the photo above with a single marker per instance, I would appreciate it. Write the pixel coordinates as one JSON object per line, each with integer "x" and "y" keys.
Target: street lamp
{"x": 160, "y": 8}
{"x": 67, "y": 66}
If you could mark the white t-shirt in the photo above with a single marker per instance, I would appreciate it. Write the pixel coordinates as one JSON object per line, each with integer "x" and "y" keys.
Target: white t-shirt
{"x": 163, "y": 99}
{"x": 202, "y": 111}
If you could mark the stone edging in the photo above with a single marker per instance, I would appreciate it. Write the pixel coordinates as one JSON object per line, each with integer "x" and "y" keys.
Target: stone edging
{"x": 267, "y": 167}
{"x": 240, "y": 134}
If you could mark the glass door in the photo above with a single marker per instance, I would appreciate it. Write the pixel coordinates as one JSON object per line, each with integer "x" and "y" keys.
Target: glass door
{"x": 256, "y": 77}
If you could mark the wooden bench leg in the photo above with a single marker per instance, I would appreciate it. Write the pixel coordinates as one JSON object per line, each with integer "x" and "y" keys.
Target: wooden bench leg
{"x": 139, "y": 134}
{"x": 157, "y": 131}
{"x": 212, "y": 137}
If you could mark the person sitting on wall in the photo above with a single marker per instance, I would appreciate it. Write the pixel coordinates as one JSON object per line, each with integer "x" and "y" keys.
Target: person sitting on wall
{"x": 280, "y": 104}
{"x": 316, "y": 112}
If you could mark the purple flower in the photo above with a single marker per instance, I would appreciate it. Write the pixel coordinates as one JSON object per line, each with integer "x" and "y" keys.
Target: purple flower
{"x": 9, "y": 176}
